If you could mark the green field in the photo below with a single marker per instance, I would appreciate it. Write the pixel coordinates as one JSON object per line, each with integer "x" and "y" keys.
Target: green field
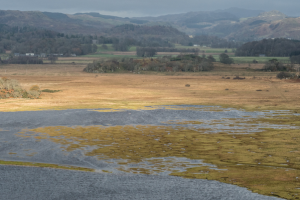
{"x": 99, "y": 55}
{"x": 101, "y": 49}
{"x": 132, "y": 48}
{"x": 110, "y": 48}
{"x": 206, "y": 49}
{"x": 259, "y": 59}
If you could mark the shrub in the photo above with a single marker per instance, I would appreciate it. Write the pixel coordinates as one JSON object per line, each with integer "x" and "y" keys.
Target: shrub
{"x": 275, "y": 65}
{"x": 225, "y": 59}
{"x": 211, "y": 58}
{"x": 33, "y": 94}
{"x": 50, "y": 91}
{"x": 8, "y": 84}
{"x": 283, "y": 75}
{"x": 11, "y": 88}
{"x": 145, "y": 51}
{"x": 35, "y": 87}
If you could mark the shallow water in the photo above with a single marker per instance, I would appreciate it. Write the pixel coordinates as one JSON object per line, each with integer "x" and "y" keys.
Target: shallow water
{"x": 25, "y": 136}
{"x": 206, "y": 119}
{"x": 25, "y": 183}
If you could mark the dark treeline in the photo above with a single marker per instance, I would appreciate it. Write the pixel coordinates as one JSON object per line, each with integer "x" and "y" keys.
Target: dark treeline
{"x": 214, "y": 42}
{"x": 181, "y": 63}
{"x": 23, "y": 60}
{"x": 146, "y": 51}
{"x": 151, "y": 51}
{"x": 279, "y": 47}
{"x": 32, "y": 40}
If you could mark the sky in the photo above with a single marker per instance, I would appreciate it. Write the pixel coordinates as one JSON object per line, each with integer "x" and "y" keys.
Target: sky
{"x": 139, "y": 8}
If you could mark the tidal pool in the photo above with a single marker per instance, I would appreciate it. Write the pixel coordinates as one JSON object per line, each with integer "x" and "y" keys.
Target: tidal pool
{"x": 256, "y": 150}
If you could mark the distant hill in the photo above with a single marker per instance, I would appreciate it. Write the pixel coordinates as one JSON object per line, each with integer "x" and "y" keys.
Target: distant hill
{"x": 271, "y": 24}
{"x": 193, "y": 17}
{"x": 52, "y": 21}
{"x": 233, "y": 23}
{"x": 271, "y": 16}
{"x": 242, "y": 13}
{"x": 94, "y": 14}
{"x": 194, "y": 23}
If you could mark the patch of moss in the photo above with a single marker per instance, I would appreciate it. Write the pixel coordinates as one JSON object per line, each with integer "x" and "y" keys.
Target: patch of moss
{"x": 50, "y": 91}
{"x": 45, "y": 165}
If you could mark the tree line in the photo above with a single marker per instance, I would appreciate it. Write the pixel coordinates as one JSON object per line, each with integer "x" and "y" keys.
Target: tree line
{"x": 31, "y": 40}
{"x": 181, "y": 63}
{"x": 278, "y": 47}
{"x": 152, "y": 51}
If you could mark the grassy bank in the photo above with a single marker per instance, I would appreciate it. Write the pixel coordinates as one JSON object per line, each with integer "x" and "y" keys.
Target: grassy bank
{"x": 45, "y": 165}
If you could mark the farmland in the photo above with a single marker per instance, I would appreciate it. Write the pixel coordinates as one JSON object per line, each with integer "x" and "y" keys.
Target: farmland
{"x": 215, "y": 52}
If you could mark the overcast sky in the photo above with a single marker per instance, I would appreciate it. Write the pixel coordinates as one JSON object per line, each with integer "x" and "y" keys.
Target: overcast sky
{"x": 137, "y": 8}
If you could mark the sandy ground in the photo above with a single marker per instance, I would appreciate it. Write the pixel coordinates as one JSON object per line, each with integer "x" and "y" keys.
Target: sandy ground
{"x": 83, "y": 90}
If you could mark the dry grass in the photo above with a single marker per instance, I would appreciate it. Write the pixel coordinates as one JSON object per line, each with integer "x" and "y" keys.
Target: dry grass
{"x": 83, "y": 90}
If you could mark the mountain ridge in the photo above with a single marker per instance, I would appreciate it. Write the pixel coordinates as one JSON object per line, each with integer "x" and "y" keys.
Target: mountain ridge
{"x": 219, "y": 23}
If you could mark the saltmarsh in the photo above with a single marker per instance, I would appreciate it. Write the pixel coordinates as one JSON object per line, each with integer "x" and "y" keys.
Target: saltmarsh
{"x": 266, "y": 161}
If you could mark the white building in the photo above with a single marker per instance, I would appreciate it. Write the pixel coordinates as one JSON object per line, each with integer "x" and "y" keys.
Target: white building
{"x": 29, "y": 54}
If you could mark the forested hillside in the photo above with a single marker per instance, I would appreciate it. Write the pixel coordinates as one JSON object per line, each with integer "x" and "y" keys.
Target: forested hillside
{"x": 127, "y": 35}
{"x": 59, "y": 22}
{"x": 31, "y": 40}
{"x": 270, "y": 47}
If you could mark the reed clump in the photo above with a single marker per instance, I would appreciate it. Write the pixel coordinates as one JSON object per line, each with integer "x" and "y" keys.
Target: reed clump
{"x": 10, "y": 88}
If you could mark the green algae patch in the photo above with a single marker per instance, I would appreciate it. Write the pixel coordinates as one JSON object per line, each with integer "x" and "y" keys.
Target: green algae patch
{"x": 45, "y": 165}
{"x": 267, "y": 162}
